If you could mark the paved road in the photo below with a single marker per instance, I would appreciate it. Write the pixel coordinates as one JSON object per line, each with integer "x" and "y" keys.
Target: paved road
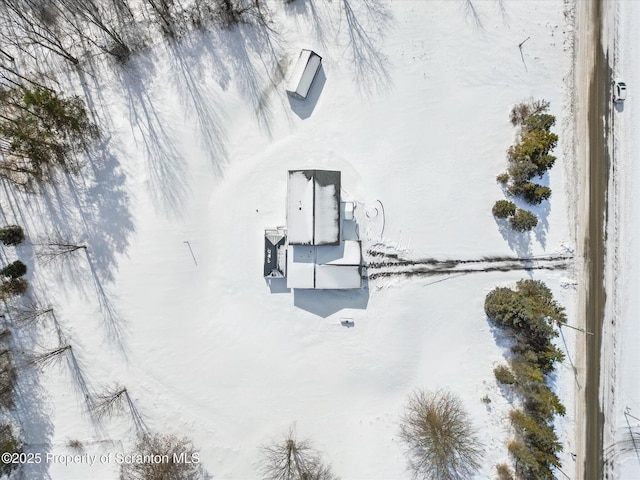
{"x": 598, "y": 117}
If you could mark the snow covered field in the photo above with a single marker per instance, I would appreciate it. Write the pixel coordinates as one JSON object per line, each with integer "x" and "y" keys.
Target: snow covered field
{"x": 412, "y": 107}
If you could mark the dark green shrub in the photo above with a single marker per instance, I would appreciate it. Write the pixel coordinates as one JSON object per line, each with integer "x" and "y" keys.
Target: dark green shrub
{"x": 544, "y": 163}
{"x": 535, "y": 194}
{"x": 504, "y": 375}
{"x": 523, "y": 221}
{"x": 11, "y": 235}
{"x": 519, "y": 172}
{"x": 503, "y": 209}
{"x": 539, "y": 121}
{"x": 14, "y": 269}
{"x": 503, "y": 178}
{"x": 526, "y": 462}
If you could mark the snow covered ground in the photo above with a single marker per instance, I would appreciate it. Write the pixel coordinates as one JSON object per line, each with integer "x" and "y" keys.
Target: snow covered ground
{"x": 621, "y": 377}
{"x": 412, "y": 107}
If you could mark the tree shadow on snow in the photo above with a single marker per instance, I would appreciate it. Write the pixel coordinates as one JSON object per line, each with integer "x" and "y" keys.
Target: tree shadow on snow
{"x": 321, "y": 24}
{"x": 168, "y": 179}
{"x": 327, "y": 302}
{"x": 366, "y": 29}
{"x": 197, "y": 102}
{"x": 277, "y": 285}
{"x": 519, "y": 242}
{"x": 472, "y": 13}
{"x": 253, "y": 56}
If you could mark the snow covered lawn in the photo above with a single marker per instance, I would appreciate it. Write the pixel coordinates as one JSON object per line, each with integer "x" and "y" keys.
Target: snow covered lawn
{"x": 411, "y": 105}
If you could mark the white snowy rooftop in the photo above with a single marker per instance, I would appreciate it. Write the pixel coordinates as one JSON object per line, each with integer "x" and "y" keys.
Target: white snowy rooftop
{"x": 324, "y": 267}
{"x": 303, "y": 73}
{"x": 313, "y": 207}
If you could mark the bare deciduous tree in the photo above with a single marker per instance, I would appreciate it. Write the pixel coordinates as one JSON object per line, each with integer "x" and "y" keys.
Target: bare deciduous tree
{"x": 116, "y": 401}
{"x": 166, "y": 457}
{"x": 34, "y": 23}
{"x": 49, "y": 356}
{"x": 55, "y": 246}
{"x": 440, "y": 441}
{"x": 293, "y": 459}
{"x": 31, "y": 312}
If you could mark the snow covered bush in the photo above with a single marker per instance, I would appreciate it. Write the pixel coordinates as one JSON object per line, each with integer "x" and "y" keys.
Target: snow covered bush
{"x": 158, "y": 456}
{"x": 504, "y": 209}
{"x": 523, "y": 221}
{"x": 293, "y": 459}
{"x": 11, "y": 235}
{"x": 441, "y": 443}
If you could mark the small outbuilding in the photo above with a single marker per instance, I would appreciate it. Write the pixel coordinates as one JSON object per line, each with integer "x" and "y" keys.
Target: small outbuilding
{"x": 304, "y": 72}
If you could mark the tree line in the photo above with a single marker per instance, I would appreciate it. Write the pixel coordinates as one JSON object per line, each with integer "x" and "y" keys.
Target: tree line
{"x": 529, "y": 157}
{"x": 532, "y": 317}
{"x": 76, "y": 30}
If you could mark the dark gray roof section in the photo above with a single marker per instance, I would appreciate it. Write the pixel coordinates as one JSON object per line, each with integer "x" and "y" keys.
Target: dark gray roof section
{"x": 272, "y": 243}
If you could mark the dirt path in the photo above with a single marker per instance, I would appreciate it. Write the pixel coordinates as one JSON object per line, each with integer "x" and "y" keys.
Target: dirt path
{"x": 593, "y": 97}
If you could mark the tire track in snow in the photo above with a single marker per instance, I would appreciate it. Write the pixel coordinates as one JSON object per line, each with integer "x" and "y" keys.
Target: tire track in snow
{"x": 384, "y": 264}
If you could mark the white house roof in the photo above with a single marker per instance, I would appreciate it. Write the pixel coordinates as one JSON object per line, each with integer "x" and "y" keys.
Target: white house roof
{"x": 338, "y": 277}
{"x": 300, "y": 208}
{"x": 347, "y": 253}
{"x": 306, "y": 267}
{"x": 304, "y": 72}
{"x": 300, "y": 267}
{"x": 313, "y": 207}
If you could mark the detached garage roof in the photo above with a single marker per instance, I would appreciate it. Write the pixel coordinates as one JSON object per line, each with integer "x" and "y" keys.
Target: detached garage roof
{"x": 313, "y": 207}
{"x": 303, "y": 73}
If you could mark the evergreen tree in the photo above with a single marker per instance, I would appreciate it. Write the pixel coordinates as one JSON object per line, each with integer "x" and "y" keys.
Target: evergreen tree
{"x": 14, "y": 269}
{"x": 42, "y": 131}
{"x": 504, "y": 209}
{"x": 11, "y": 235}
{"x": 523, "y": 221}
{"x": 534, "y": 193}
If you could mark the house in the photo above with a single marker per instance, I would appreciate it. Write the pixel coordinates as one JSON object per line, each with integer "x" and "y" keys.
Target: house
{"x": 319, "y": 248}
{"x": 318, "y": 255}
{"x": 303, "y": 74}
